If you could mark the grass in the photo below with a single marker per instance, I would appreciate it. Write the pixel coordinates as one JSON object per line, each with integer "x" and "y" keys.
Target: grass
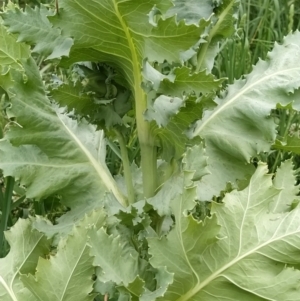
{"x": 260, "y": 24}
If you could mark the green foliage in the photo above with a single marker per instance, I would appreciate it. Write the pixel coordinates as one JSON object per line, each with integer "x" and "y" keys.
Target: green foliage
{"x": 182, "y": 213}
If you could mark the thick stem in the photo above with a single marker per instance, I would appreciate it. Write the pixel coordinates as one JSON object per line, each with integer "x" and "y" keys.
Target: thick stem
{"x": 146, "y": 140}
{"x": 126, "y": 167}
{"x": 147, "y": 145}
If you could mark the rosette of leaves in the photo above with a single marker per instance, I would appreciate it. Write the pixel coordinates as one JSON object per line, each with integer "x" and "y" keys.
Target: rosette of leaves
{"x": 245, "y": 248}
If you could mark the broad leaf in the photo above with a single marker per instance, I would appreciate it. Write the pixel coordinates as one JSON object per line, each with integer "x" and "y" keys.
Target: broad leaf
{"x": 137, "y": 39}
{"x": 240, "y": 126}
{"x": 26, "y": 245}
{"x": 72, "y": 97}
{"x": 240, "y": 256}
{"x": 61, "y": 277}
{"x": 56, "y": 154}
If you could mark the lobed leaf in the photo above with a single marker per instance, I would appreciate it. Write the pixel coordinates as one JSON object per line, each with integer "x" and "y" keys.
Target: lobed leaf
{"x": 55, "y": 154}
{"x": 34, "y": 28}
{"x": 26, "y": 245}
{"x": 69, "y": 272}
{"x": 190, "y": 11}
{"x": 241, "y": 252}
{"x": 10, "y": 52}
{"x": 118, "y": 261}
{"x": 292, "y": 144}
{"x": 240, "y": 126}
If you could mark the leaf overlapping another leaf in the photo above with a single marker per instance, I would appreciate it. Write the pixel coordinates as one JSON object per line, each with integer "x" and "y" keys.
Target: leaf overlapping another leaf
{"x": 34, "y": 28}
{"x": 69, "y": 272}
{"x": 243, "y": 248}
{"x": 26, "y": 247}
{"x": 51, "y": 153}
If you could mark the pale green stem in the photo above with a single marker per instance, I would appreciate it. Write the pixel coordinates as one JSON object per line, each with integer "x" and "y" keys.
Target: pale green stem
{"x": 126, "y": 167}
{"x": 148, "y": 148}
{"x": 146, "y": 139}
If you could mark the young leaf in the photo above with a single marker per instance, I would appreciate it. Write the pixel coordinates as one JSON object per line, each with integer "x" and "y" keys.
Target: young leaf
{"x": 72, "y": 97}
{"x": 285, "y": 181}
{"x": 118, "y": 261}
{"x": 68, "y": 274}
{"x": 26, "y": 245}
{"x": 172, "y": 138}
{"x": 250, "y": 258}
{"x": 194, "y": 163}
{"x": 292, "y": 144}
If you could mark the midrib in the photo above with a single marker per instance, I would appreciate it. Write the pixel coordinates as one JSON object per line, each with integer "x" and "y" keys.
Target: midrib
{"x": 236, "y": 97}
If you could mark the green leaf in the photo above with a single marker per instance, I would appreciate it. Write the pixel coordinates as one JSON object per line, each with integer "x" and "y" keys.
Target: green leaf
{"x": 68, "y": 273}
{"x": 162, "y": 199}
{"x": 56, "y": 154}
{"x": 72, "y": 97}
{"x": 249, "y": 259}
{"x": 240, "y": 126}
{"x": 194, "y": 164}
{"x": 179, "y": 81}
{"x": 291, "y": 144}
{"x": 118, "y": 261}
{"x": 173, "y": 138}
{"x": 26, "y": 245}
{"x": 222, "y": 26}
{"x": 163, "y": 108}
{"x": 11, "y": 52}
{"x": 163, "y": 279}
{"x": 137, "y": 39}
{"x": 285, "y": 181}
{"x": 66, "y": 223}
{"x": 138, "y": 36}
{"x": 34, "y": 28}
{"x": 139, "y": 292}
{"x": 187, "y": 82}
{"x": 191, "y": 11}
